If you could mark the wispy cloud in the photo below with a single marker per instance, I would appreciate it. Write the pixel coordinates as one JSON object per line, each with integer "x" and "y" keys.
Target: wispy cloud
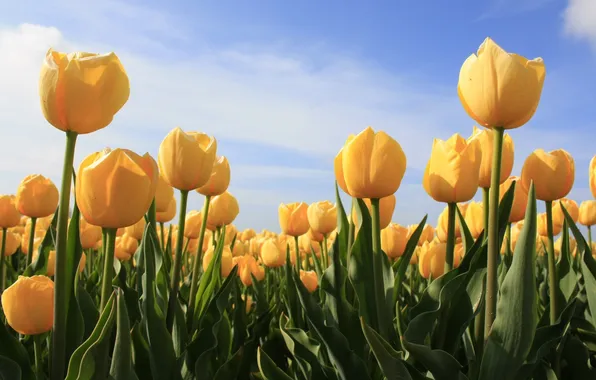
{"x": 580, "y": 20}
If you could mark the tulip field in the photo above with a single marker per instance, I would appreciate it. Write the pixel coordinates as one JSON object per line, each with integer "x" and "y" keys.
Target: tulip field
{"x": 112, "y": 276}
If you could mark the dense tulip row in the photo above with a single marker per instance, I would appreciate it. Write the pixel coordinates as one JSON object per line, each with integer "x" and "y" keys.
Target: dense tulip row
{"x": 112, "y": 286}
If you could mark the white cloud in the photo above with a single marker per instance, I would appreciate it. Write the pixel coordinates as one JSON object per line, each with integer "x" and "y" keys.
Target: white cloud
{"x": 580, "y": 19}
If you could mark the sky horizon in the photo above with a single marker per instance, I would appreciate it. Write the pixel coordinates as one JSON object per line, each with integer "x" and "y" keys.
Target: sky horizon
{"x": 282, "y": 86}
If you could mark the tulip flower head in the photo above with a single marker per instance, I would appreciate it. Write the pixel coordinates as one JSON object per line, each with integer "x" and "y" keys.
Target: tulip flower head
{"x": 28, "y": 305}
{"x": 37, "y": 196}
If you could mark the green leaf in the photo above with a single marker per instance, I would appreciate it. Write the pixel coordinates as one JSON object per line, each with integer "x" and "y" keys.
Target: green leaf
{"x": 230, "y": 369}
{"x": 40, "y": 264}
{"x": 268, "y": 368}
{"x": 12, "y": 349}
{"x": 142, "y": 357}
{"x": 88, "y": 310}
{"x": 122, "y": 366}
{"x": 343, "y": 227}
{"x": 513, "y": 330}
{"x": 85, "y": 360}
{"x": 467, "y": 238}
{"x": 388, "y": 359}
{"x": 565, "y": 273}
{"x": 9, "y": 370}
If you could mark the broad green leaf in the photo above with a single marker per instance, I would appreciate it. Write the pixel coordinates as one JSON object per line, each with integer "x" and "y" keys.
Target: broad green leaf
{"x": 268, "y": 368}
{"x": 513, "y": 330}
{"x": 122, "y": 366}
{"x": 40, "y": 263}
{"x": 142, "y": 356}
{"x": 9, "y": 370}
{"x": 88, "y": 310}
{"x": 565, "y": 273}
{"x": 388, "y": 359}
{"x": 12, "y": 349}
{"x": 229, "y": 370}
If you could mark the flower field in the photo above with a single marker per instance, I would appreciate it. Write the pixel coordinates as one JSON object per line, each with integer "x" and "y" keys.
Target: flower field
{"x": 112, "y": 276}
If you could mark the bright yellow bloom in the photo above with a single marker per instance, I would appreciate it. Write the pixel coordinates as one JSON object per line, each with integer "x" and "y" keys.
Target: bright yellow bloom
{"x": 293, "y": 219}
{"x": 223, "y": 210}
{"x": 592, "y": 176}
{"x": 137, "y": 230}
{"x": 394, "y": 238}
{"x": 308, "y": 245}
{"x": 571, "y": 207}
{"x": 520, "y": 198}
{"x": 163, "y": 195}
{"x": 9, "y": 215}
{"x": 474, "y": 218}
{"x": 322, "y": 217}
{"x": 125, "y": 248}
{"x": 587, "y": 213}
{"x": 219, "y": 180}
{"x": 451, "y": 174}
{"x": 226, "y": 260}
{"x": 272, "y": 255}
{"x": 28, "y": 305}
{"x": 37, "y": 196}
{"x": 542, "y": 227}
{"x": 428, "y": 233}
{"x": 51, "y": 267}
{"x": 89, "y": 234}
{"x": 370, "y": 165}
{"x": 386, "y": 208}
{"x": 169, "y": 214}
{"x": 432, "y": 259}
{"x": 247, "y": 266}
{"x": 186, "y": 159}
{"x": 12, "y": 243}
{"x": 116, "y": 187}
{"x": 485, "y": 141}
{"x": 309, "y": 279}
{"x": 443, "y": 223}
{"x": 82, "y": 92}
{"x": 553, "y": 174}
{"x": 500, "y": 89}
{"x": 231, "y": 232}
{"x": 192, "y": 226}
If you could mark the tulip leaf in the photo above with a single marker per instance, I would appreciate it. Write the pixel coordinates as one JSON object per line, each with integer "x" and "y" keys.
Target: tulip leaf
{"x": 388, "y": 359}
{"x": 230, "y": 369}
{"x": 161, "y": 348}
{"x": 88, "y": 310}
{"x": 512, "y": 333}
{"x": 87, "y": 360}
{"x": 39, "y": 266}
{"x": 12, "y": 349}
{"x": 268, "y": 369}
{"x": 142, "y": 356}
{"x": 122, "y": 366}
{"x": 343, "y": 227}
{"x": 565, "y": 273}
{"x": 467, "y": 238}
{"x": 404, "y": 260}
{"x": 9, "y": 370}
{"x": 292, "y": 297}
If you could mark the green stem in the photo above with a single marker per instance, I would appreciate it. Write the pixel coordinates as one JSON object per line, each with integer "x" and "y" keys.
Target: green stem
{"x": 194, "y": 282}
{"x": 326, "y": 250}
{"x": 175, "y": 284}
{"x": 297, "y": 249}
{"x": 485, "y": 208}
{"x": 31, "y": 240}
{"x": 451, "y": 208}
{"x": 38, "y": 351}
{"x": 58, "y": 351}
{"x": 590, "y": 239}
{"x": 552, "y": 271}
{"x": 493, "y": 232}
{"x": 2, "y": 260}
{"x": 108, "y": 267}
{"x": 351, "y": 230}
{"x": 163, "y": 240}
{"x": 377, "y": 266}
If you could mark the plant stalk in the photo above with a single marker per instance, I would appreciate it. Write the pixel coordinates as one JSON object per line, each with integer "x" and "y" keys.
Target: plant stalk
{"x": 377, "y": 266}
{"x": 108, "y": 267}
{"x": 175, "y": 284}
{"x": 31, "y": 240}
{"x": 552, "y": 270}
{"x": 451, "y": 209}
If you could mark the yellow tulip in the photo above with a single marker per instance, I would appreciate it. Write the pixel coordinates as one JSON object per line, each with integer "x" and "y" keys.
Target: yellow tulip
{"x": 322, "y": 217}
{"x": 89, "y": 234}
{"x": 432, "y": 259}
{"x": 386, "y": 208}
{"x": 272, "y": 255}
{"x": 239, "y": 249}
{"x": 81, "y": 92}
{"x": 247, "y": 234}
{"x": 9, "y": 215}
{"x": 231, "y": 232}
{"x": 226, "y": 260}
{"x": 474, "y": 218}
{"x": 370, "y": 165}
{"x": 428, "y": 233}
{"x": 393, "y": 240}
{"x": 37, "y": 196}
{"x": 587, "y": 213}
{"x": 169, "y": 214}
{"x": 520, "y": 198}
{"x": 219, "y": 180}
{"x": 12, "y": 243}
{"x": 116, "y": 187}
{"x": 499, "y": 89}
{"x": 553, "y": 174}
{"x": 247, "y": 266}
{"x": 485, "y": 141}
{"x": 310, "y": 280}
{"x": 307, "y": 244}
{"x": 163, "y": 195}
{"x": 442, "y": 223}
{"x": 592, "y": 176}
{"x": 186, "y": 159}
{"x": 125, "y": 247}
{"x": 571, "y": 207}
{"x": 293, "y": 219}
{"x": 25, "y": 244}
{"x": 223, "y": 210}
{"x": 137, "y": 230}
{"x": 192, "y": 226}
{"x": 28, "y": 305}
{"x": 51, "y": 267}
{"x": 559, "y": 244}
{"x": 542, "y": 227}
{"x": 451, "y": 174}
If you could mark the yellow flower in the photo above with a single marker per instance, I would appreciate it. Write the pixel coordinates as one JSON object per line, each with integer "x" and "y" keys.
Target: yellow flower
{"x": 542, "y": 227}
{"x": 587, "y": 213}
{"x": 451, "y": 174}
{"x": 571, "y": 207}
{"x": 500, "y": 89}
{"x": 81, "y": 92}
{"x": 370, "y": 165}
{"x": 137, "y": 230}
{"x": 474, "y": 218}
{"x": 272, "y": 255}
{"x": 9, "y": 215}
{"x": 293, "y": 219}
{"x": 186, "y": 159}
{"x": 163, "y": 195}
{"x": 553, "y": 174}
{"x": 485, "y": 142}
{"x": 307, "y": 244}
{"x": 37, "y": 196}
{"x": 431, "y": 260}
{"x": 219, "y": 180}
{"x": 592, "y": 175}
{"x": 322, "y": 217}
{"x": 222, "y": 210}
{"x": 89, "y": 234}
{"x": 116, "y": 187}
{"x": 12, "y": 243}
{"x": 28, "y": 305}
{"x": 309, "y": 279}
{"x": 169, "y": 214}
{"x": 51, "y": 267}
{"x": 443, "y": 223}
{"x": 393, "y": 240}
{"x": 520, "y": 198}
{"x": 247, "y": 266}
{"x": 125, "y": 247}
{"x": 386, "y": 208}
{"x": 231, "y": 232}
{"x": 192, "y": 226}
{"x": 428, "y": 233}
{"x": 247, "y": 234}
{"x": 239, "y": 249}
{"x": 226, "y": 260}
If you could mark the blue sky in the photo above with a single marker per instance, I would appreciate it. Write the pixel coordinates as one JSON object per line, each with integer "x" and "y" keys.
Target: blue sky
{"x": 281, "y": 84}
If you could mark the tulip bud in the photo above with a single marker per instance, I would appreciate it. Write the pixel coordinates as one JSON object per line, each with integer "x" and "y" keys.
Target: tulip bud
{"x": 219, "y": 180}
{"x": 474, "y": 218}
{"x": 186, "y": 159}
{"x": 37, "y": 196}
{"x": 386, "y": 208}
{"x": 81, "y": 92}
{"x": 322, "y": 217}
{"x": 192, "y": 226}
{"x": 89, "y": 234}
{"x": 125, "y": 247}
{"x": 393, "y": 240}
{"x": 499, "y": 89}
{"x": 520, "y": 198}
{"x": 231, "y": 233}
{"x": 169, "y": 214}
{"x": 432, "y": 259}
{"x": 272, "y": 255}
{"x": 51, "y": 267}
{"x": 428, "y": 233}
{"x": 137, "y": 230}
{"x": 592, "y": 176}
{"x": 226, "y": 260}
{"x": 28, "y": 305}
{"x": 571, "y": 207}
{"x": 310, "y": 280}
{"x": 443, "y": 223}
{"x": 12, "y": 242}
{"x": 9, "y": 216}
{"x": 308, "y": 245}
{"x": 223, "y": 210}
{"x": 485, "y": 141}
{"x": 163, "y": 195}
{"x": 293, "y": 219}
{"x": 114, "y": 188}
{"x": 370, "y": 165}
{"x": 587, "y": 213}
{"x": 542, "y": 226}
{"x": 553, "y": 174}
{"x": 452, "y": 172}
